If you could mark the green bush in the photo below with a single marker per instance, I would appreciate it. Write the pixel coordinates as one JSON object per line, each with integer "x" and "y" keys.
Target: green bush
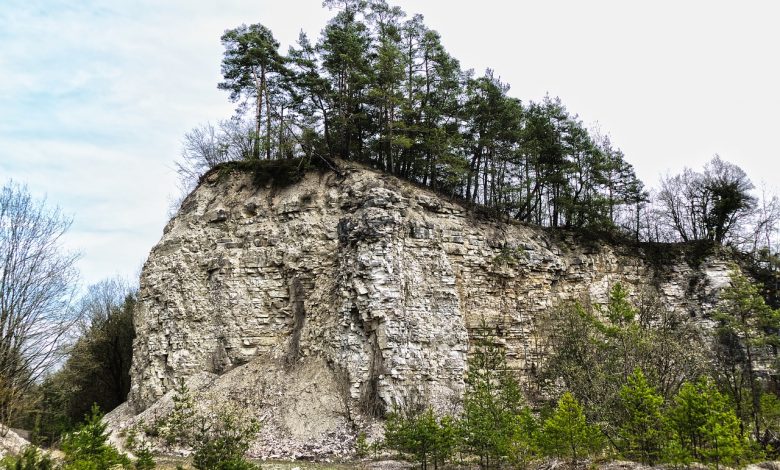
{"x": 222, "y": 443}
{"x": 566, "y": 433}
{"x": 88, "y": 447}
{"x": 423, "y": 435}
{"x": 30, "y": 459}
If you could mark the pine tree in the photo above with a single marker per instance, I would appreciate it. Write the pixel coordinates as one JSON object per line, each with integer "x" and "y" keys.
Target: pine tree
{"x": 345, "y": 52}
{"x": 492, "y": 407}
{"x": 705, "y": 426}
{"x": 642, "y": 435}
{"x": 747, "y": 325}
{"x": 250, "y": 60}
{"x": 566, "y": 434}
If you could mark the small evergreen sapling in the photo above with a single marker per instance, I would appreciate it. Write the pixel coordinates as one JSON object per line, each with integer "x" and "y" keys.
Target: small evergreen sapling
{"x": 705, "y": 426}
{"x": 137, "y": 445}
{"x": 221, "y": 443}
{"x": 144, "y": 459}
{"x": 30, "y": 459}
{"x": 493, "y": 411}
{"x": 566, "y": 434}
{"x": 88, "y": 447}
{"x": 361, "y": 445}
{"x": 176, "y": 429}
{"x": 642, "y": 435}
{"x": 423, "y": 435}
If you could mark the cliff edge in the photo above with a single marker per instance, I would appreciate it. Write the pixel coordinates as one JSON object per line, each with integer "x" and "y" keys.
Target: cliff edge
{"x": 315, "y": 306}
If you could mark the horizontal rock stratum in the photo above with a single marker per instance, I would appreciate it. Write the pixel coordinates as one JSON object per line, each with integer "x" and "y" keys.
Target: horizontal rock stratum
{"x": 315, "y": 305}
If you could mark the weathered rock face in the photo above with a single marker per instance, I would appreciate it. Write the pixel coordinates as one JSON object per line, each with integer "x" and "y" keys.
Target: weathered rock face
{"x": 377, "y": 284}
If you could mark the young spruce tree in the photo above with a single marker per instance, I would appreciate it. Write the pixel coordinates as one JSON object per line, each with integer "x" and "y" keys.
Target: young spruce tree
{"x": 566, "y": 434}
{"x": 422, "y": 435}
{"x": 643, "y": 435}
{"x": 705, "y": 427}
{"x": 495, "y": 422}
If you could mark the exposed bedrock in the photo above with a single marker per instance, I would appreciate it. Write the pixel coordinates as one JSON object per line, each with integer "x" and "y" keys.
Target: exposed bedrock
{"x": 373, "y": 285}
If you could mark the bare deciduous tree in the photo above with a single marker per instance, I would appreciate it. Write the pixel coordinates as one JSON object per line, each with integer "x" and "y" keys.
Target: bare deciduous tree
{"x": 207, "y": 146}
{"x": 707, "y": 205}
{"x": 100, "y": 300}
{"x": 37, "y": 279}
{"x": 761, "y": 233}
{"x": 684, "y": 203}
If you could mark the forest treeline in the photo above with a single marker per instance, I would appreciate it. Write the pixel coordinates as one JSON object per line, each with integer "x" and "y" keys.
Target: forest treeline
{"x": 378, "y": 87}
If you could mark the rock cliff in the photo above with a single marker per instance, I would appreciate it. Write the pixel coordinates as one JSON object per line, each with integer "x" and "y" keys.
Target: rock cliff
{"x": 316, "y": 305}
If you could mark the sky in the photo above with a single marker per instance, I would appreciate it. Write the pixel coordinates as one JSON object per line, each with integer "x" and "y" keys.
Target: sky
{"x": 96, "y": 95}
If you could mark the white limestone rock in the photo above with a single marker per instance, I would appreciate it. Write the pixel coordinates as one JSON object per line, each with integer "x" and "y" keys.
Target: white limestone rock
{"x": 370, "y": 284}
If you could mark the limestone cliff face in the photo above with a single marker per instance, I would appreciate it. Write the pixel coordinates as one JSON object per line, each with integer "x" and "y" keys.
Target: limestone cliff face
{"x": 376, "y": 283}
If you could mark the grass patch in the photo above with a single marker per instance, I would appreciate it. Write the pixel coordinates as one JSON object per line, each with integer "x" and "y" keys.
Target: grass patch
{"x": 274, "y": 173}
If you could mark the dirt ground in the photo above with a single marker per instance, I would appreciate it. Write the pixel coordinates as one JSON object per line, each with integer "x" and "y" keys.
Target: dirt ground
{"x": 170, "y": 463}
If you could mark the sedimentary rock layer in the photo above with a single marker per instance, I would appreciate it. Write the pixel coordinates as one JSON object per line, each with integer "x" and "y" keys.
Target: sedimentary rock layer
{"x": 378, "y": 283}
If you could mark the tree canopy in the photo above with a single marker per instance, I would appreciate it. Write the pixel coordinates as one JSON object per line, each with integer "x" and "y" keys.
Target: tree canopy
{"x": 706, "y": 205}
{"x": 379, "y": 87}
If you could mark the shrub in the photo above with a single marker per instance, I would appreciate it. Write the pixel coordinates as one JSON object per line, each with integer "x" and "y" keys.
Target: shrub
{"x": 422, "y": 435}
{"x": 30, "y": 459}
{"x": 221, "y": 444}
{"x": 88, "y": 447}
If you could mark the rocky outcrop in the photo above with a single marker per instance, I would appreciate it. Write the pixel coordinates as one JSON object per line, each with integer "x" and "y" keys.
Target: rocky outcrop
{"x": 11, "y": 443}
{"x": 358, "y": 292}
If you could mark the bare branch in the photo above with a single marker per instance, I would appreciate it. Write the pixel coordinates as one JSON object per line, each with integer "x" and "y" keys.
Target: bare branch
{"x": 37, "y": 281}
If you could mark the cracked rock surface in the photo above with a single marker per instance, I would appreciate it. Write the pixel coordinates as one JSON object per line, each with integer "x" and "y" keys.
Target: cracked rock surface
{"x": 319, "y": 304}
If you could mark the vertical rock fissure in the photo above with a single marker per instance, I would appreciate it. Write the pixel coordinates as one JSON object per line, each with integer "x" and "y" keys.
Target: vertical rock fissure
{"x": 219, "y": 361}
{"x": 371, "y": 402}
{"x": 299, "y": 318}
